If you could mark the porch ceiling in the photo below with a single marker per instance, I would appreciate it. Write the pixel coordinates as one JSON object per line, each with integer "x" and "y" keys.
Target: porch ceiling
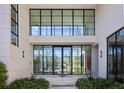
{"x": 63, "y": 6}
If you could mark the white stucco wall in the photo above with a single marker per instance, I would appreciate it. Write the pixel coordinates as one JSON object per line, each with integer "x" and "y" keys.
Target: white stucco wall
{"x": 4, "y": 33}
{"x": 20, "y": 67}
{"x": 58, "y": 40}
{"x": 94, "y": 61}
{"x": 108, "y": 20}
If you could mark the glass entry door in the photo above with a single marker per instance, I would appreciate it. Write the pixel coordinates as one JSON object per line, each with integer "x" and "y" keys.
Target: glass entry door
{"x": 62, "y": 60}
{"x": 120, "y": 60}
{"x": 67, "y": 60}
{"x": 57, "y": 60}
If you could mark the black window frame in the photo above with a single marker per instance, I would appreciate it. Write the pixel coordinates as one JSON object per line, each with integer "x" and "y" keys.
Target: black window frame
{"x": 115, "y": 69}
{"x": 16, "y": 33}
{"x": 72, "y": 34}
{"x": 62, "y": 46}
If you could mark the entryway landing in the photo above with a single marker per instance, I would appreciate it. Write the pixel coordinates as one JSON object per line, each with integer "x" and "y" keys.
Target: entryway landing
{"x": 62, "y": 82}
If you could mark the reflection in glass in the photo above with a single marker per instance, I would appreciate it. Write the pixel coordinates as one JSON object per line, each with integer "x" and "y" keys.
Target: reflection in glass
{"x": 46, "y": 30}
{"x": 116, "y": 55}
{"x": 63, "y": 22}
{"x": 13, "y": 39}
{"x": 67, "y": 30}
{"x": 62, "y": 60}
{"x": 57, "y": 60}
{"x": 13, "y": 14}
{"x": 86, "y": 60}
{"x": 14, "y": 25}
{"x": 35, "y": 30}
{"x": 67, "y": 22}
{"x": 48, "y": 59}
{"x": 35, "y": 12}
{"x": 76, "y": 60}
{"x": 38, "y": 60}
{"x": 56, "y": 30}
{"x": 67, "y": 60}
{"x": 78, "y": 30}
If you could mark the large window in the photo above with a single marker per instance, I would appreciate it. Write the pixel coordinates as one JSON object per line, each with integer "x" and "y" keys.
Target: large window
{"x": 67, "y": 22}
{"x": 48, "y": 59}
{"x": 45, "y": 22}
{"x": 89, "y": 20}
{"x": 76, "y": 59}
{"x": 62, "y": 22}
{"x": 38, "y": 59}
{"x": 62, "y": 60}
{"x": 14, "y": 25}
{"x": 116, "y": 55}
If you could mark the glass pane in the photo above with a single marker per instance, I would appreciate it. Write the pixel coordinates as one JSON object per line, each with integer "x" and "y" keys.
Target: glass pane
{"x": 56, "y": 21}
{"x": 78, "y": 13}
{"x": 56, "y": 30}
{"x": 45, "y": 17}
{"x": 89, "y": 25}
{"x": 112, "y": 57}
{"x": 89, "y": 32}
{"x": 35, "y": 30}
{"x": 35, "y": 19}
{"x": 15, "y": 6}
{"x": 56, "y": 17}
{"x": 13, "y": 39}
{"x": 13, "y": 27}
{"x": 89, "y": 29}
{"x": 56, "y": 12}
{"x": 86, "y": 59}
{"x": 38, "y": 60}
{"x": 13, "y": 15}
{"x": 120, "y": 36}
{"x": 78, "y": 20}
{"x": 67, "y": 12}
{"x": 46, "y": 30}
{"x": 67, "y": 60}
{"x": 45, "y": 21}
{"x": 57, "y": 60}
{"x": 67, "y": 17}
{"x": 35, "y": 12}
{"x": 120, "y": 61}
{"x": 46, "y": 13}
{"x": 78, "y": 30}
{"x": 89, "y": 12}
{"x": 67, "y": 20}
{"x": 89, "y": 19}
{"x": 47, "y": 59}
{"x": 78, "y": 17}
{"x": 76, "y": 60}
{"x": 67, "y": 30}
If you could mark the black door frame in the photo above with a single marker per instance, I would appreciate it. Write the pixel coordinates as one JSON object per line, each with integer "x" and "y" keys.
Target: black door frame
{"x": 62, "y": 54}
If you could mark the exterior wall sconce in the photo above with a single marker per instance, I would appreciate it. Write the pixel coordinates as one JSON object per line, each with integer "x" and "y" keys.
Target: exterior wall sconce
{"x": 23, "y": 55}
{"x": 101, "y": 53}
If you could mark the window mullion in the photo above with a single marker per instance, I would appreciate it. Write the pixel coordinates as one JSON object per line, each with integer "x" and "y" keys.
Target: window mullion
{"x": 40, "y": 23}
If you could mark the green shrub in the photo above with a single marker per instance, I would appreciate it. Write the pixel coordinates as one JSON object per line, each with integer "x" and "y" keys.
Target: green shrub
{"x": 29, "y": 83}
{"x": 3, "y": 75}
{"x": 88, "y": 83}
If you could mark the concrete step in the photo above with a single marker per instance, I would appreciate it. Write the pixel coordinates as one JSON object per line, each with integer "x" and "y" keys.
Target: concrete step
{"x": 63, "y": 87}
